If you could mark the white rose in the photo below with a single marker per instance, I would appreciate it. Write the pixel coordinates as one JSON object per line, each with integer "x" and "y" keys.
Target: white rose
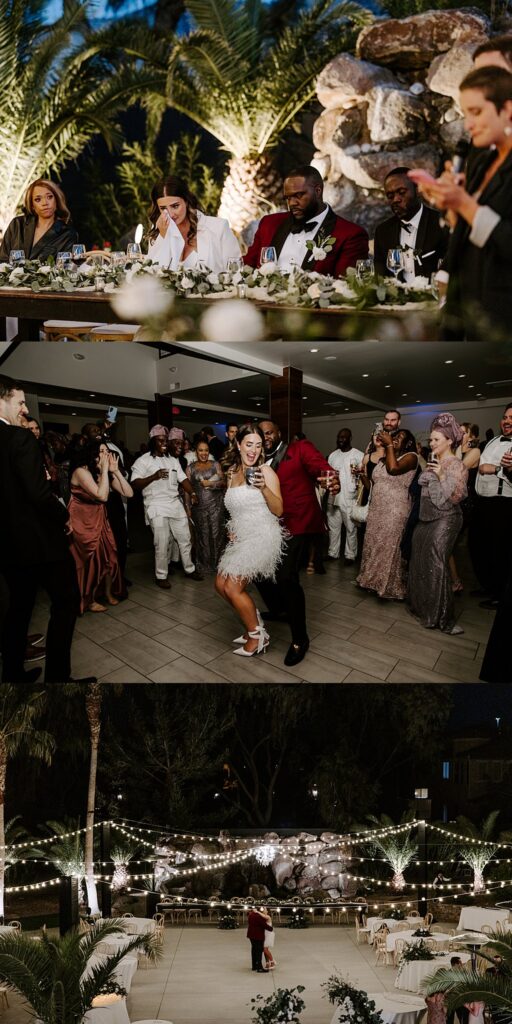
{"x": 45, "y": 270}
{"x": 233, "y": 320}
{"x": 89, "y": 269}
{"x": 342, "y": 288}
{"x": 213, "y": 278}
{"x": 318, "y": 254}
{"x": 4, "y": 267}
{"x": 268, "y": 268}
{"x": 420, "y": 283}
{"x": 259, "y": 293}
{"x": 314, "y": 291}
{"x": 109, "y": 287}
{"x": 16, "y": 275}
{"x": 142, "y": 298}
{"x": 186, "y": 283}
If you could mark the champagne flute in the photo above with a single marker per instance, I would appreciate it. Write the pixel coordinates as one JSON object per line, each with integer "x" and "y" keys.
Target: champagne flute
{"x": 268, "y": 254}
{"x": 395, "y": 261}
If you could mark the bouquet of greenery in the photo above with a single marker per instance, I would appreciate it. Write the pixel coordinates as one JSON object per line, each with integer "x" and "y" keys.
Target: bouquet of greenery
{"x": 393, "y": 913}
{"x": 416, "y": 951}
{"x": 227, "y": 920}
{"x": 298, "y": 920}
{"x": 421, "y": 933}
{"x": 283, "y": 1007}
{"x": 354, "y": 1005}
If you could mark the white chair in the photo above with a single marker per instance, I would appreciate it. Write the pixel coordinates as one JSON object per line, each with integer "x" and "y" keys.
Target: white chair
{"x": 125, "y": 916}
{"x": 16, "y": 925}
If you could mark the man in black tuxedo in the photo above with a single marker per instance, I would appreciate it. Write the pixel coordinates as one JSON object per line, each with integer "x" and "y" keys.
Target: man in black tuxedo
{"x": 413, "y": 225}
{"x": 33, "y": 548}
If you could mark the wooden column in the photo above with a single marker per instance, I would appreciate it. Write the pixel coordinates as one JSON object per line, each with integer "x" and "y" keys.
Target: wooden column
{"x": 160, "y": 411}
{"x": 286, "y": 402}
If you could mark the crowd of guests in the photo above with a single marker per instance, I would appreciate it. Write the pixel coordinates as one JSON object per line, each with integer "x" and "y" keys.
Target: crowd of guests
{"x": 254, "y": 509}
{"x": 455, "y": 229}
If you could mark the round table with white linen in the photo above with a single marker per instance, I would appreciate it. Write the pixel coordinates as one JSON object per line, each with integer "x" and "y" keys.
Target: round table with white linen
{"x": 438, "y": 938}
{"x": 114, "y": 943}
{"x": 394, "y": 1008}
{"x": 132, "y": 925}
{"x": 411, "y": 976}
{"x": 374, "y": 923}
{"x": 108, "y": 1009}
{"x": 123, "y": 973}
{"x": 472, "y": 918}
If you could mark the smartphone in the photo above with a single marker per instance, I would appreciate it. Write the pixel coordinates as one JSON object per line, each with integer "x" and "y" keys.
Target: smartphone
{"x": 111, "y": 414}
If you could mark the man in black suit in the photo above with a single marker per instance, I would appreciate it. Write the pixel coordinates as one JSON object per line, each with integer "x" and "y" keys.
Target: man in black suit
{"x": 33, "y": 548}
{"x": 413, "y": 226}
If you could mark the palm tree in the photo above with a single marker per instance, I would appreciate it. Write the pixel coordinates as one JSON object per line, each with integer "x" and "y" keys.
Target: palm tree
{"x": 59, "y": 86}
{"x": 93, "y": 708}
{"x": 54, "y": 975}
{"x": 66, "y": 853}
{"x": 468, "y": 986}
{"x": 18, "y": 731}
{"x": 245, "y": 86}
{"x": 480, "y": 846}
{"x": 398, "y": 848}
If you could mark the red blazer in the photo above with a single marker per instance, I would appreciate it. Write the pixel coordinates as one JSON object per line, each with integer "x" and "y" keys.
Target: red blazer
{"x": 256, "y": 925}
{"x": 351, "y": 243}
{"x": 298, "y": 473}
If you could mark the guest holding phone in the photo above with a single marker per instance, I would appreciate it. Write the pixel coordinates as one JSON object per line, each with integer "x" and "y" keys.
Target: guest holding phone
{"x": 479, "y": 258}
{"x": 255, "y": 536}
{"x": 444, "y": 486}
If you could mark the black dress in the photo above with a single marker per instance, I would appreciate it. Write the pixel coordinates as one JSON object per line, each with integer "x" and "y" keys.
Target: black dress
{"x": 20, "y": 235}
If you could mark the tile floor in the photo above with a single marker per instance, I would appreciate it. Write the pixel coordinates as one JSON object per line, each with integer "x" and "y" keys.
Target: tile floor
{"x": 184, "y": 635}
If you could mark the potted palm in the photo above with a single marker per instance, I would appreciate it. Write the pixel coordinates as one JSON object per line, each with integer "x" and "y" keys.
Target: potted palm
{"x": 54, "y": 975}
{"x": 469, "y": 986}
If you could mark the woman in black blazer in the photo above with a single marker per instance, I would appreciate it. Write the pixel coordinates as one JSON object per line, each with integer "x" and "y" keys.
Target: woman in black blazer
{"x": 479, "y": 258}
{"x": 45, "y": 228}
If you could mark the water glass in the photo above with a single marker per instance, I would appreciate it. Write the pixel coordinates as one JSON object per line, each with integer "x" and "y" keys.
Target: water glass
{"x": 395, "y": 261}
{"x": 63, "y": 258}
{"x": 365, "y": 270}
{"x": 118, "y": 259}
{"x": 250, "y": 474}
{"x": 134, "y": 250}
{"x": 16, "y": 257}
{"x": 268, "y": 254}
{"x": 234, "y": 264}
{"x": 99, "y": 284}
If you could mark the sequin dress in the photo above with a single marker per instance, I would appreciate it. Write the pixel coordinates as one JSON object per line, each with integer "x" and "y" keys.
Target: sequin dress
{"x": 257, "y": 537}
{"x": 383, "y": 568}
{"x": 208, "y": 514}
{"x": 430, "y": 592}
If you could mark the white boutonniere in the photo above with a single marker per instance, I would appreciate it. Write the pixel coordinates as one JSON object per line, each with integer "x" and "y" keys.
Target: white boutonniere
{"x": 320, "y": 247}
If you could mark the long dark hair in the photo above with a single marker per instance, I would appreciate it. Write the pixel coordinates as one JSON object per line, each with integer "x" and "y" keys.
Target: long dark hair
{"x": 409, "y": 444}
{"x": 173, "y": 186}
{"x": 232, "y": 460}
{"x": 85, "y": 455}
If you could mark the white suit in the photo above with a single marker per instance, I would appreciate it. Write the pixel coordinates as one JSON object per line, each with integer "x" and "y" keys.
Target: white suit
{"x": 340, "y": 506}
{"x": 164, "y": 511}
{"x": 216, "y": 244}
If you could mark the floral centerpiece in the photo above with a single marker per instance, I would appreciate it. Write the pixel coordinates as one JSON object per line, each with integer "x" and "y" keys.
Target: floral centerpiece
{"x": 413, "y": 952}
{"x": 227, "y": 920}
{"x": 354, "y": 1007}
{"x": 298, "y": 920}
{"x": 283, "y": 1007}
{"x": 393, "y": 913}
{"x": 422, "y": 933}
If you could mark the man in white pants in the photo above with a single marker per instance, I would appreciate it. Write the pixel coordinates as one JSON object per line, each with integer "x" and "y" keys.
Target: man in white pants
{"x": 157, "y": 474}
{"x": 340, "y": 505}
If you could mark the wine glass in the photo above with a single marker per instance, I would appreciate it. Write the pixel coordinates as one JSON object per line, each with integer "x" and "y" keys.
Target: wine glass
{"x": 118, "y": 258}
{"x": 78, "y": 254}
{"x": 365, "y": 270}
{"x": 234, "y": 263}
{"x": 16, "y": 257}
{"x": 395, "y": 261}
{"x": 134, "y": 251}
{"x": 434, "y": 286}
{"x": 63, "y": 258}
{"x": 268, "y": 254}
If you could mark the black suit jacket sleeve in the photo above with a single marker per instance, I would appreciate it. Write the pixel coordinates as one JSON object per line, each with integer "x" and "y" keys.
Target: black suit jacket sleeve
{"x": 380, "y": 250}
{"x": 28, "y": 466}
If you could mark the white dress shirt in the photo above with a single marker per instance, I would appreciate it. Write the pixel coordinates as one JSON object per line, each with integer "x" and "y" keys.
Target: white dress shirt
{"x": 294, "y": 249}
{"x": 408, "y": 240}
{"x": 486, "y": 484}
{"x": 161, "y": 497}
{"x": 342, "y": 461}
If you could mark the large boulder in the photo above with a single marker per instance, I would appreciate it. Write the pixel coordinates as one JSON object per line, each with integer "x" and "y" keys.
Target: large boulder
{"x": 451, "y": 132}
{"x": 282, "y": 866}
{"x": 369, "y": 169}
{"x": 338, "y": 127}
{"x": 345, "y": 80}
{"x": 395, "y": 115}
{"x": 447, "y": 71}
{"x": 367, "y": 211}
{"x": 415, "y": 41}
{"x": 340, "y": 194}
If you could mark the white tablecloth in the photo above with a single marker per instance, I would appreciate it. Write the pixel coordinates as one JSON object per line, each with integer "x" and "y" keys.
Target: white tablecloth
{"x": 123, "y": 973}
{"x": 473, "y": 918}
{"x": 115, "y": 1013}
{"x": 395, "y": 1009}
{"x": 114, "y": 943}
{"x": 413, "y": 974}
{"x": 134, "y": 925}
{"x": 5, "y": 929}
{"x": 374, "y": 923}
{"x": 438, "y": 938}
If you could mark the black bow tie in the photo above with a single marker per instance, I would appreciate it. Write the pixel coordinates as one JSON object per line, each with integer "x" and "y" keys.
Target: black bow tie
{"x": 297, "y": 227}
{"x": 508, "y": 439}
{"x": 406, "y": 227}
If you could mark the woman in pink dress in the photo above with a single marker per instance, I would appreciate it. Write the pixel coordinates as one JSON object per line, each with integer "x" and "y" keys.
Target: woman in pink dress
{"x": 383, "y": 568}
{"x": 92, "y": 543}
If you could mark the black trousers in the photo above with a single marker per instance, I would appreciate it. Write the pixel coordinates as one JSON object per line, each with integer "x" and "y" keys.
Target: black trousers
{"x": 60, "y": 582}
{"x": 462, "y": 1014}
{"x": 490, "y": 542}
{"x": 496, "y": 663}
{"x": 256, "y": 953}
{"x": 286, "y": 594}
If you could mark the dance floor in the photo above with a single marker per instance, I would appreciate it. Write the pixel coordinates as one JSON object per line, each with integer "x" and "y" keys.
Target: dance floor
{"x": 204, "y": 976}
{"x": 184, "y": 635}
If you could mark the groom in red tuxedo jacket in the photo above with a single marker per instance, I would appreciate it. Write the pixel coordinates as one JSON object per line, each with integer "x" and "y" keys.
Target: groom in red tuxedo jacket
{"x": 309, "y": 219}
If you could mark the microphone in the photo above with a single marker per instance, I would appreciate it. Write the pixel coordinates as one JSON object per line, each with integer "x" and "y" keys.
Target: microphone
{"x": 460, "y": 155}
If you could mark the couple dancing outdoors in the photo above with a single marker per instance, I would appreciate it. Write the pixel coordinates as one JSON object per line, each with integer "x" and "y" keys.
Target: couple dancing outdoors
{"x": 268, "y": 480}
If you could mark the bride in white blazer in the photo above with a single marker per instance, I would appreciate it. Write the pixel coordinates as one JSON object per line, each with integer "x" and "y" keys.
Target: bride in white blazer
{"x": 181, "y": 235}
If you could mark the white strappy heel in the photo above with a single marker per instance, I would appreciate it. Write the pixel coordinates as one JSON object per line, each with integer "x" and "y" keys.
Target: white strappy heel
{"x": 261, "y": 625}
{"x": 258, "y": 634}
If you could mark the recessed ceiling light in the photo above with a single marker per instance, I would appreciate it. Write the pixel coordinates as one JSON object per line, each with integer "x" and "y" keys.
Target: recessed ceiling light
{"x": 304, "y": 398}
{"x": 233, "y": 391}
{"x": 327, "y": 358}
{"x": 194, "y": 410}
{"x": 448, "y": 361}
{"x": 479, "y": 394}
{"x": 346, "y": 408}
{"x": 366, "y": 374}
{"x": 92, "y": 396}
{"x": 418, "y": 401}
{"x": 258, "y": 405}
{"x": 313, "y": 350}
{"x": 387, "y": 385}
{"x": 404, "y": 394}
{"x": 73, "y": 413}
{"x": 461, "y": 376}
{"x": 305, "y": 414}
{"x": 470, "y": 386}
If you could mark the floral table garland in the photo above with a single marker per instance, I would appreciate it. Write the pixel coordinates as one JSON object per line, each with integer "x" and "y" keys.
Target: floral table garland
{"x": 267, "y": 284}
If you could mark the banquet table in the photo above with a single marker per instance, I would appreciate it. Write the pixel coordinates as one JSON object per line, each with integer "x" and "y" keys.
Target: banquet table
{"x": 412, "y": 975}
{"x": 472, "y": 918}
{"x": 438, "y": 938}
{"x": 132, "y": 925}
{"x": 123, "y": 973}
{"x": 114, "y": 943}
{"x": 287, "y": 322}
{"x": 394, "y": 1008}
{"x": 374, "y": 923}
{"x": 107, "y": 1010}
